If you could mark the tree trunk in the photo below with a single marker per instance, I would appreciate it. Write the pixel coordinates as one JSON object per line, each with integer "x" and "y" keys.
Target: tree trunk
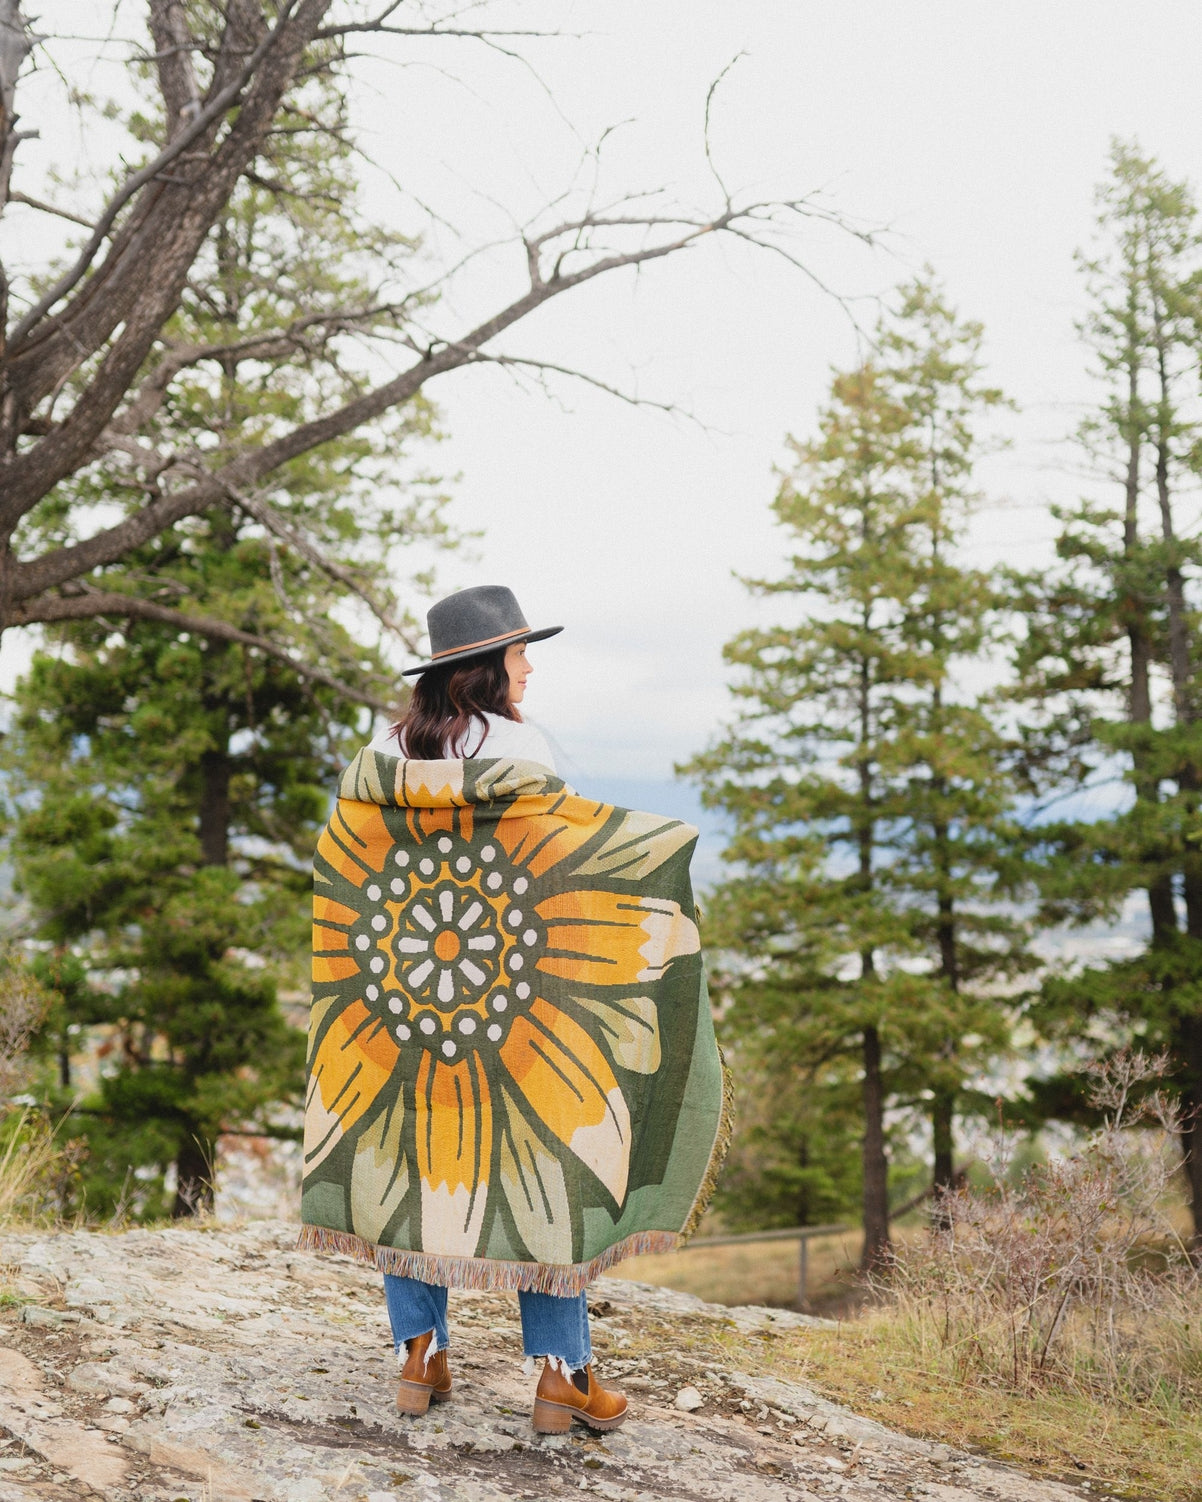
{"x": 804, "y": 1208}
{"x": 1162, "y": 909}
{"x": 194, "y": 1177}
{"x": 942, "y": 1119}
{"x": 1187, "y": 1050}
{"x": 1179, "y": 653}
{"x": 215, "y": 807}
{"x": 876, "y": 1165}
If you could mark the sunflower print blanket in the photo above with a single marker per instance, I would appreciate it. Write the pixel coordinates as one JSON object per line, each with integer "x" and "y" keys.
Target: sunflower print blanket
{"x": 513, "y": 1080}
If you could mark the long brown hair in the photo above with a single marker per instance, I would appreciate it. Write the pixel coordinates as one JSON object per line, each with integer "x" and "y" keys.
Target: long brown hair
{"x": 449, "y": 704}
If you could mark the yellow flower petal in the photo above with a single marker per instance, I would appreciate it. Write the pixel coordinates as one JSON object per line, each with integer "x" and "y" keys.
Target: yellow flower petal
{"x": 454, "y": 1146}
{"x": 571, "y": 1090}
{"x": 352, "y": 1063}
{"x": 355, "y": 842}
{"x": 426, "y": 823}
{"x": 549, "y": 829}
{"x": 605, "y": 939}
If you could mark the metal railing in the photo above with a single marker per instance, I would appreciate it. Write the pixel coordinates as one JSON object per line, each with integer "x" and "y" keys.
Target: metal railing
{"x": 803, "y": 1234}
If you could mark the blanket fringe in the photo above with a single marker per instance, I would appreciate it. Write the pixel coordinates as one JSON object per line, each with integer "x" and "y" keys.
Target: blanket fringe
{"x": 726, "y": 1127}
{"x": 563, "y": 1279}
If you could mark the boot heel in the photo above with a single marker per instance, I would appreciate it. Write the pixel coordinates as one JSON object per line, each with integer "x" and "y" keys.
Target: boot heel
{"x": 551, "y": 1418}
{"x": 412, "y": 1397}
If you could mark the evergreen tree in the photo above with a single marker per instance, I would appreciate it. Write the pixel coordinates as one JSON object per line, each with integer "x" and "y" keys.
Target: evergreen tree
{"x": 872, "y": 836}
{"x": 1109, "y": 667}
{"x": 168, "y": 785}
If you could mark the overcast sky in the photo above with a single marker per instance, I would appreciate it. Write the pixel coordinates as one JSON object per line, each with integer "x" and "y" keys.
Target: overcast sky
{"x": 975, "y": 133}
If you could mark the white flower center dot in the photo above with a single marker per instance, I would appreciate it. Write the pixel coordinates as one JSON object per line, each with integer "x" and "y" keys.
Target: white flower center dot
{"x": 500, "y": 1002}
{"x": 379, "y": 922}
{"x": 401, "y": 857}
{"x": 467, "y": 1024}
{"x": 494, "y": 1031}
{"x": 488, "y": 852}
{"x": 520, "y": 885}
{"x": 515, "y": 962}
{"x": 522, "y": 989}
{"x": 448, "y": 1048}
{"x": 396, "y": 1004}
{"x": 372, "y": 993}
{"x": 493, "y": 880}
{"x": 373, "y": 893}
{"x": 402, "y": 1033}
{"x": 444, "y": 845}
{"x": 397, "y": 885}
{"x": 513, "y": 917}
{"x": 426, "y": 867}
{"x": 377, "y": 963}
{"x": 362, "y": 941}
{"x": 529, "y": 936}
{"x": 427, "y": 1024}
{"x": 463, "y": 865}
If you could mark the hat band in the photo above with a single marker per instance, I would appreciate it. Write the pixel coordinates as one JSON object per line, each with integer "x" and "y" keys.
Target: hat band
{"x": 472, "y": 645}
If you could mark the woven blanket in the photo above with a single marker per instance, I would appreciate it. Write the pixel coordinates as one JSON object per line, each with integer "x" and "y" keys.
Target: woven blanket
{"x": 513, "y": 1077}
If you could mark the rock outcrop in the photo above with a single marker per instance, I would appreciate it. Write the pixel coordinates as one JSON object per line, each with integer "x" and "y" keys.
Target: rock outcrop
{"x": 224, "y": 1366}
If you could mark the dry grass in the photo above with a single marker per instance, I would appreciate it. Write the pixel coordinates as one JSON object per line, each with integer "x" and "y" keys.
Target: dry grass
{"x": 32, "y": 1163}
{"x": 1053, "y": 1321}
{"x": 871, "y": 1365}
{"x": 754, "y": 1272}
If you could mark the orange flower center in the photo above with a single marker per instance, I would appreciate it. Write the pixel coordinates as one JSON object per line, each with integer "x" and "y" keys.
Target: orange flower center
{"x": 446, "y": 945}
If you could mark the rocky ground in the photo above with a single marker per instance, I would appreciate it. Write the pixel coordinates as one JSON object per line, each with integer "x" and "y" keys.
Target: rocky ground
{"x": 224, "y": 1366}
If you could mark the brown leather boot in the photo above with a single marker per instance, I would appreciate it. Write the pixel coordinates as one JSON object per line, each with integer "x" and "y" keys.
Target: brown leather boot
{"x": 421, "y": 1381}
{"x": 559, "y": 1399}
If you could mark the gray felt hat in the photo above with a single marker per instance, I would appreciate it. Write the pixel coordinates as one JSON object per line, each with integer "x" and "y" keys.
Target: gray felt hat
{"x": 473, "y": 622}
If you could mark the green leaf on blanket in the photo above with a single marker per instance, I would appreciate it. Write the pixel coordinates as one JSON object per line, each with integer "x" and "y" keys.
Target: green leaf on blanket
{"x": 638, "y": 845}
{"x": 632, "y": 1028}
{"x": 534, "y": 1186}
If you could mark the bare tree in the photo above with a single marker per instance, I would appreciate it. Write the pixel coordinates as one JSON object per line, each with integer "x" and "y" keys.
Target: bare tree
{"x": 86, "y": 363}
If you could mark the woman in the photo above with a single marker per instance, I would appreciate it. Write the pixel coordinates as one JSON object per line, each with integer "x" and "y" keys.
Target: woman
{"x": 465, "y": 703}
{"x": 513, "y": 1080}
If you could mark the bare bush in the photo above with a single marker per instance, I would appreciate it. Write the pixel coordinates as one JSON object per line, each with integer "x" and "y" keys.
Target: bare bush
{"x": 36, "y": 1160}
{"x": 1074, "y": 1275}
{"x": 23, "y": 1007}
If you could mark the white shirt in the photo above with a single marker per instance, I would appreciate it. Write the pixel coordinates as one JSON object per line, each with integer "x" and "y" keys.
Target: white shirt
{"x": 518, "y": 739}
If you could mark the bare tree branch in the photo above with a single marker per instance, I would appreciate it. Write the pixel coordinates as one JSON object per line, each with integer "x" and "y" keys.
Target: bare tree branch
{"x": 29, "y": 578}
{"x": 99, "y": 338}
{"x": 49, "y": 208}
{"x": 206, "y": 117}
{"x": 93, "y": 604}
{"x": 270, "y": 518}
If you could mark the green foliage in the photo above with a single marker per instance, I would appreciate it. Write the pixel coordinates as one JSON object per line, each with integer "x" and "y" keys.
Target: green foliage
{"x": 1108, "y": 672}
{"x": 166, "y": 785}
{"x": 877, "y": 854}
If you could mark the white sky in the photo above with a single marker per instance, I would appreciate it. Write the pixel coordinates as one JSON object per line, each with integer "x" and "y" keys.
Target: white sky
{"x": 976, "y": 133}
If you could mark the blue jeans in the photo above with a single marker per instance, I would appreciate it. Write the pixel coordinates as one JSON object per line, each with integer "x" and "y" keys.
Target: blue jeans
{"x": 551, "y": 1326}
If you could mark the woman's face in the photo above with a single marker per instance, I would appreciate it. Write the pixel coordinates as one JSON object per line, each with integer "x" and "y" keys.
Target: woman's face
{"x": 517, "y": 665}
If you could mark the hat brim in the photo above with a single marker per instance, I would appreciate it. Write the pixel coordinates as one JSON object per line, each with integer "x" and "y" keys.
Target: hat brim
{"x": 480, "y": 649}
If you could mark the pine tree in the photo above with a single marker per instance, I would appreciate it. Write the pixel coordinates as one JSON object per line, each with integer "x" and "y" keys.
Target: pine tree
{"x": 872, "y": 835}
{"x": 168, "y": 784}
{"x": 1111, "y": 658}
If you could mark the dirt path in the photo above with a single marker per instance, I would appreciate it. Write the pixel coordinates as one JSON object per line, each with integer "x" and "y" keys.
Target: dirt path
{"x": 223, "y": 1366}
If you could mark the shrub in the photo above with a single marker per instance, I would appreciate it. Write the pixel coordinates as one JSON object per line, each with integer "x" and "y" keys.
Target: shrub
{"x": 35, "y": 1163}
{"x": 1071, "y": 1274}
